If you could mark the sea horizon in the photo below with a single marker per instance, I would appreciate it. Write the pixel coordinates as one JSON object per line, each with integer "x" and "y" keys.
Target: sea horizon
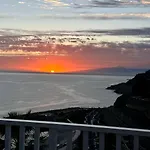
{"x": 40, "y": 92}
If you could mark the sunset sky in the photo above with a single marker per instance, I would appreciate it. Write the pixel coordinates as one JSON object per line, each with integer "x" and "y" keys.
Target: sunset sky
{"x": 73, "y": 35}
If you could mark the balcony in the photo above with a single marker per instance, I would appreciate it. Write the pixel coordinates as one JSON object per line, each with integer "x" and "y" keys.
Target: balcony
{"x": 70, "y": 133}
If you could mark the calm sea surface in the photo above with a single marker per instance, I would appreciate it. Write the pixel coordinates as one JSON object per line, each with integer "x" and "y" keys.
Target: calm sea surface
{"x": 21, "y": 92}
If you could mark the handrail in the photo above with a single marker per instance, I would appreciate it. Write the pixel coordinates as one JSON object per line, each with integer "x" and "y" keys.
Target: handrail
{"x": 73, "y": 126}
{"x": 55, "y": 128}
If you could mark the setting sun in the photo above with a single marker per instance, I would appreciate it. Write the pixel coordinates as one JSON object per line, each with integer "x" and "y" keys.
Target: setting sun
{"x": 52, "y": 71}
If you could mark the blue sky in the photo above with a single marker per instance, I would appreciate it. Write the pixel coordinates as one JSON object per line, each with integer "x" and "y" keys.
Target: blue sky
{"x": 74, "y": 14}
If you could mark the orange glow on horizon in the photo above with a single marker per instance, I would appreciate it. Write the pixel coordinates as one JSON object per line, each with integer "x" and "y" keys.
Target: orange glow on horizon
{"x": 49, "y": 64}
{"x": 52, "y": 71}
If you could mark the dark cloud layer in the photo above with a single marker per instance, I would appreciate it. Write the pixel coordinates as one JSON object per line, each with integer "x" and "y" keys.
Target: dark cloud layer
{"x": 135, "y": 32}
{"x": 81, "y": 48}
{"x": 98, "y": 16}
{"x": 115, "y": 3}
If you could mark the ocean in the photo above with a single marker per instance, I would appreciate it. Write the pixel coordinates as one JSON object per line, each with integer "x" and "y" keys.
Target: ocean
{"x": 39, "y": 92}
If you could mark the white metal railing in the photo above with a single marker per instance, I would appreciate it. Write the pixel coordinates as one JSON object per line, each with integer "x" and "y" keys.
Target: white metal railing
{"x": 68, "y": 128}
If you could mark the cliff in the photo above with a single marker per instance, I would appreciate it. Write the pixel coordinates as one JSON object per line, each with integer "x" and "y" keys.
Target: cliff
{"x": 135, "y": 92}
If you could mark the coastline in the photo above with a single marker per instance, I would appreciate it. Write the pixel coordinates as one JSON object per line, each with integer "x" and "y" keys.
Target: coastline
{"x": 132, "y": 104}
{"x": 125, "y": 103}
{"x": 44, "y": 92}
{"x": 121, "y": 105}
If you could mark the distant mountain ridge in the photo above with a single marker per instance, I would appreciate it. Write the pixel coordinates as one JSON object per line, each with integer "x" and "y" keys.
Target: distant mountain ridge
{"x": 115, "y": 71}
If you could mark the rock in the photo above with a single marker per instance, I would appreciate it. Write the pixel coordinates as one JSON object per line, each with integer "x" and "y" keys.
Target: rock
{"x": 121, "y": 88}
{"x": 121, "y": 101}
{"x": 142, "y": 85}
{"x": 139, "y": 85}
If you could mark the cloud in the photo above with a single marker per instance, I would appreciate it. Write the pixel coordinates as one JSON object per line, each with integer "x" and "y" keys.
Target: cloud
{"x": 142, "y": 32}
{"x": 11, "y": 53}
{"x": 45, "y": 40}
{"x": 98, "y": 16}
{"x": 107, "y": 3}
{"x": 107, "y": 49}
{"x": 145, "y": 1}
{"x": 56, "y": 3}
{"x": 92, "y": 3}
{"x": 21, "y": 2}
{"x": 121, "y": 3}
{"x": 113, "y": 3}
{"x": 86, "y": 16}
{"x": 117, "y": 16}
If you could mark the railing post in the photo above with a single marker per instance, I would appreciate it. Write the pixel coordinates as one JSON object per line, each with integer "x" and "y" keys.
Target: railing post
{"x": 118, "y": 142}
{"x": 85, "y": 140}
{"x": 52, "y": 141}
{"x": 69, "y": 140}
{"x": 136, "y": 143}
{"x": 37, "y": 139}
{"x": 7, "y": 137}
{"x": 59, "y": 128}
{"x": 101, "y": 141}
{"x": 21, "y": 138}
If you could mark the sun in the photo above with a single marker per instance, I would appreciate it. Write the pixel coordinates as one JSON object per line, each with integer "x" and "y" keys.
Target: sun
{"x": 52, "y": 71}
